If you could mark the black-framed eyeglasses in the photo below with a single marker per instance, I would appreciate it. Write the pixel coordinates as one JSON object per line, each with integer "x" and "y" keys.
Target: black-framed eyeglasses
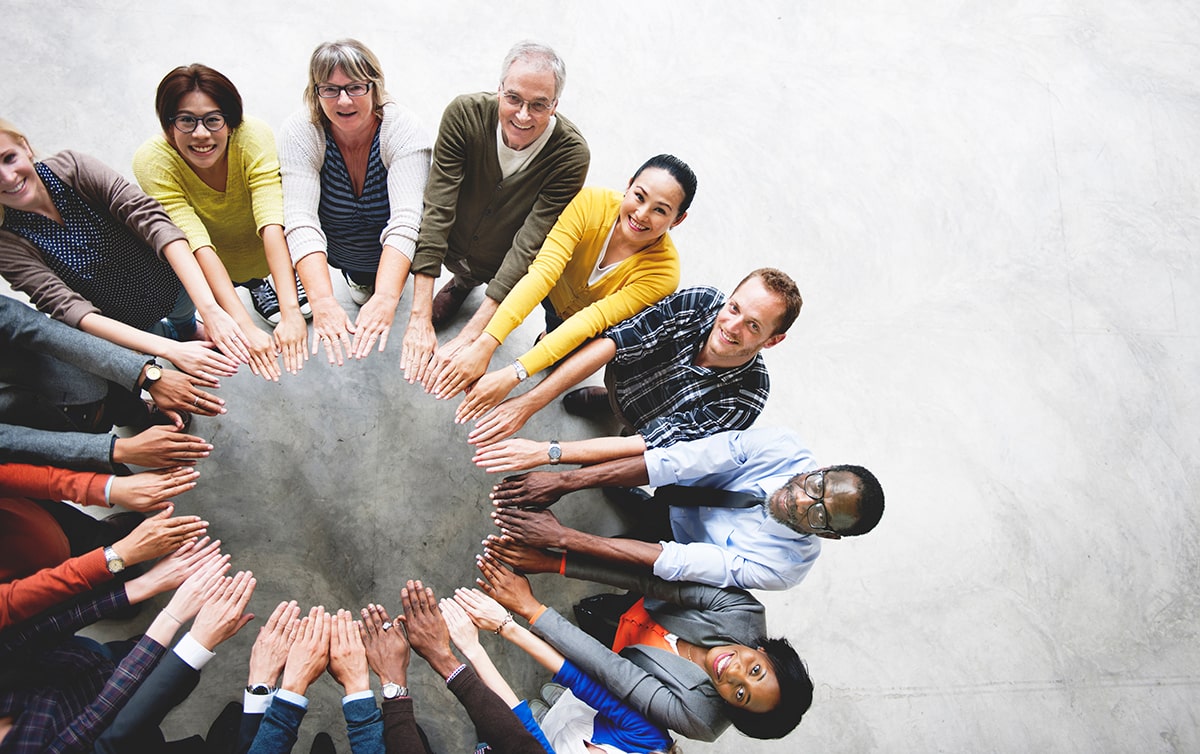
{"x": 537, "y": 106}
{"x": 185, "y": 123}
{"x": 333, "y": 91}
{"x": 817, "y": 515}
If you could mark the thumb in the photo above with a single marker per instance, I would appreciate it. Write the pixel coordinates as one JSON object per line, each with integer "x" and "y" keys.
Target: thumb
{"x": 166, "y": 511}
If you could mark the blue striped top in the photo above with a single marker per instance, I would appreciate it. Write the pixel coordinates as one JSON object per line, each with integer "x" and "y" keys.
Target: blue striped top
{"x": 353, "y": 224}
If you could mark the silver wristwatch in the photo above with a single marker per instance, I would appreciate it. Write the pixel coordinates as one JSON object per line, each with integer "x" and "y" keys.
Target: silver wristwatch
{"x": 114, "y": 561}
{"x": 394, "y": 691}
{"x": 555, "y": 452}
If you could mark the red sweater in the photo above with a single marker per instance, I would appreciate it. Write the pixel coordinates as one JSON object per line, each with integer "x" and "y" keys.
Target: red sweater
{"x": 35, "y": 558}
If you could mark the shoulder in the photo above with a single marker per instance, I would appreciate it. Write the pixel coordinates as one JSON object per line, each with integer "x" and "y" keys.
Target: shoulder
{"x": 253, "y": 134}
{"x": 299, "y": 127}
{"x": 567, "y": 136}
{"x": 401, "y": 127}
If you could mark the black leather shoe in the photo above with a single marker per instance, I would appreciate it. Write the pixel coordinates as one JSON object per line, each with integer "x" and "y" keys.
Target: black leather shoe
{"x": 588, "y": 402}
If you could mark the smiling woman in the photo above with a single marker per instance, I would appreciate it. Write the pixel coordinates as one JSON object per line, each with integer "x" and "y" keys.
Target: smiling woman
{"x": 607, "y": 258}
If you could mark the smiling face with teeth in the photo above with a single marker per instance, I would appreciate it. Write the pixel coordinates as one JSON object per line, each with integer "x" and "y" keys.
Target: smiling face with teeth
{"x": 743, "y": 676}
{"x": 649, "y": 208}
{"x": 20, "y": 186}
{"x": 350, "y": 118}
{"x": 205, "y": 151}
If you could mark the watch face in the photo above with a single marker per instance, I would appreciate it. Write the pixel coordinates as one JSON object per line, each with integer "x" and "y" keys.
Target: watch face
{"x": 555, "y": 452}
{"x": 153, "y": 373}
{"x": 391, "y": 690}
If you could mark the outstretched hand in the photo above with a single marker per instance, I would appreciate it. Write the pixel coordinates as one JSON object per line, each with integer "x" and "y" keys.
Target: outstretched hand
{"x": 509, "y": 589}
{"x": 521, "y": 558}
{"x": 387, "y": 647}
{"x": 347, "y": 655}
{"x": 535, "y": 489}
{"x": 535, "y": 528}
{"x": 427, "y": 632}
{"x": 270, "y": 649}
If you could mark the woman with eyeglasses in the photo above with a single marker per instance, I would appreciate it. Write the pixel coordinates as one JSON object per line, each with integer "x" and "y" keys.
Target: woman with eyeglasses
{"x": 354, "y": 166}
{"x": 607, "y": 258}
{"x": 92, "y": 250}
{"x": 216, "y": 173}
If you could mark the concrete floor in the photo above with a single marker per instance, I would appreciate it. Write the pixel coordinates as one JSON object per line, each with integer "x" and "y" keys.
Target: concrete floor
{"x": 991, "y": 210}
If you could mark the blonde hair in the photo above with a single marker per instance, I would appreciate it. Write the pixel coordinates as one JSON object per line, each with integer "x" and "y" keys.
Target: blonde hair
{"x": 7, "y": 127}
{"x": 355, "y": 60}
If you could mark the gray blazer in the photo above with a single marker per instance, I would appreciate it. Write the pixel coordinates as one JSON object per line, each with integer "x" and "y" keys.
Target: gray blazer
{"x": 667, "y": 689}
{"x": 52, "y": 359}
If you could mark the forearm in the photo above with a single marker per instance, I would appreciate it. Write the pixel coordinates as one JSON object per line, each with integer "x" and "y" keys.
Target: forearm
{"x": 125, "y": 335}
{"x": 314, "y": 273}
{"x": 601, "y": 449}
{"x": 217, "y": 280}
{"x": 621, "y": 472}
{"x": 625, "y": 552}
{"x": 545, "y": 655}
{"x": 392, "y": 273}
{"x": 487, "y": 672}
{"x": 475, "y": 326}
{"x": 422, "y": 301}
{"x": 573, "y": 370}
{"x": 187, "y": 268}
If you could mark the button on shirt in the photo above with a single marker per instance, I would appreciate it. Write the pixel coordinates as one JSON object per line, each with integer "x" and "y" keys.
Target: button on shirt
{"x": 742, "y": 547}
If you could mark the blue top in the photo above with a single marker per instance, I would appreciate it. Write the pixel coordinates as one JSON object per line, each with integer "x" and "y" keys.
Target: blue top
{"x": 98, "y": 257}
{"x": 744, "y": 547}
{"x": 525, "y": 715}
{"x": 616, "y": 724}
{"x": 353, "y": 224}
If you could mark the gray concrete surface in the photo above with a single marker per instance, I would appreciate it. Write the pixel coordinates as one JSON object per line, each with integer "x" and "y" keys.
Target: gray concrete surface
{"x": 991, "y": 209}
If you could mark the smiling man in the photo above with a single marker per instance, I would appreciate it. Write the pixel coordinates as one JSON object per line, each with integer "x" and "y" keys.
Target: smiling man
{"x": 687, "y": 367}
{"x": 746, "y": 509}
{"x": 505, "y": 164}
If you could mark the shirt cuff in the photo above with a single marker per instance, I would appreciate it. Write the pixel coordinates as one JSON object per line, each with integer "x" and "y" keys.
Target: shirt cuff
{"x": 193, "y": 652}
{"x": 368, "y": 694}
{"x": 293, "y": 697}
{"x": 256, "y": 704}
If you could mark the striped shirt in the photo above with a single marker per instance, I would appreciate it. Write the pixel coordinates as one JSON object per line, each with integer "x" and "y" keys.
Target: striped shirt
{"x": 658, "y": 386}
{"x": 353, "y": 224}
{"x": 98, "y": 257}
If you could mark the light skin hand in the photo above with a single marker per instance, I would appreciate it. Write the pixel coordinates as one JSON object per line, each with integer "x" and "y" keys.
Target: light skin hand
{"x": 427, "y": 632}
{"x": 263, "y": 358}
{"x": 507, "y": 588}
{"x": 462, "y": 370}
{"x": 419, "y": 339}
{"x": 501, "y": 422}
{"x": 485, "y": 612}
{"x": 177, "y": 391}
{"x": 291, "y": 340}
{"x": 388, "y": 652}
{"x": 149, "y": 491}
{"x": 159, "y": 446}
{"x": 172, "y": 570}
{"x": 513, "y": 454}
{"x": 197, "y": 589}
{"x": 374, "y": 323}
{"x": 332, "y": 329}
{"x": 223, "y": 330}
{"x": 224, "y": 614}
{"x": 347, "y": 655}
{"x": 535, "y": 488}
{"x": 485, "y": 394}
{"x": 462, "y": 631}
{"x": 309, "y": 654}
{"x": 198, "y": 357}
{"x": 159, "y": 535}
{"x": 270, "y": 650}
{"x": 521, "y": 558}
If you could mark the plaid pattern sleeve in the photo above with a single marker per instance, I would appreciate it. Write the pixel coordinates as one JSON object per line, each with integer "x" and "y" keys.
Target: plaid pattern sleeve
{"x": 81, "y": 732}
{"x": 32, "y": 636}
{"x": 658, "y": 386}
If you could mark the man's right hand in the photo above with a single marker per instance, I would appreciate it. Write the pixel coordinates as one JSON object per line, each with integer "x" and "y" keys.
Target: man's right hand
{"x": 158, "y": 447}
{"x": 535, "y": 489}
{"x": 501, "y": 422}
{"x": 416, "y": 353}
{"x": 309, "y": 653}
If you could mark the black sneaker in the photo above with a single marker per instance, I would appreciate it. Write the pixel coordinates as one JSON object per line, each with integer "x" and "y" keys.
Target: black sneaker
{"x": 264, "y": 299}
{"x": 305, "y": 309}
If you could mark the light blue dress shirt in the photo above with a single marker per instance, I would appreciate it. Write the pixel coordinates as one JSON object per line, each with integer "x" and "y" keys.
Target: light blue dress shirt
{"x": 742, "y": 547}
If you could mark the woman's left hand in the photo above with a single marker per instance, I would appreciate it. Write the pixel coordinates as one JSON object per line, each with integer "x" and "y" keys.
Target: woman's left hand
{"x": 462, "y": 631}
{"x": 509, "y": 589}
{"x": 263, "y": 356}
{"x": 486, "y": 394}
{"x": 374, "y": 323}
{"x": 485, "y": 612}
{"x": 457, "y": 373}
{"x": 225, "y": 333}
{"x": 291, "y": 340}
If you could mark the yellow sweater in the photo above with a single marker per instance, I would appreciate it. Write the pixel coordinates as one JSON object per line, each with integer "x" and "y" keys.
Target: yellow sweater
{"x": 562, "y": 269}
{"x": 229, "y": 221}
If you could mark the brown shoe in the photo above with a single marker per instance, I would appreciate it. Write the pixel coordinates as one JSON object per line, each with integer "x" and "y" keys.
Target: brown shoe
{"x": 448, "y": 301}
{"x": 588, "y": 402}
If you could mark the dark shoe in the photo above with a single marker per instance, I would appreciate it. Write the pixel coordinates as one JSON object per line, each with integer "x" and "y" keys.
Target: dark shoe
{"x": 222, "y": 736}
{"x": 302, "y": 297}
{"x": 448, "y": 301}
{"x": 266, "y": 303}
{"x": 588, "y": 402}
{"x": 322, "y": 744}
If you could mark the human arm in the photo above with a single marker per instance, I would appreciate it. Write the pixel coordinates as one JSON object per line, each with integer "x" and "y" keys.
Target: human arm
{"x": 248, "y": 343}
{"x": 221, "y": 327}
{"x": 309, "y": 654}
{"x": 271, "y": 646}
{"x": 348, "y": 666}
{"x": 388, "y": 654}
{"x": 74, "y": 450}
{"x": 159, "y": 446}
{"x": 420, "y": 341}
{"x": 291, "y": 334}
{"x": 332, "y": 327}
{"x": 508, "y": 417}
{"x": 460, "y": 343}
{"x": 541, "y": 529}
{"x": 490, "y": 615}
{"x": 517, "y": 454}
{"x": 466, "y": 637}
{"x": 194, "y": 357}
{"x": 427, "y": 632}
{"x": 176, "y": 392}
{"x": 374, "y": 321}
{"x": 545, "y": 487}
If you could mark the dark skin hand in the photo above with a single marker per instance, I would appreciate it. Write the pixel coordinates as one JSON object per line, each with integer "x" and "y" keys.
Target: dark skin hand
{"x": 521, "y": 558}
{"x": 509, "y": 589}
{"x": 387, "y": 651}
{"x": 427, "y": 632}
{"x": 535, "y": 489}
{"x": 534, "y": 528}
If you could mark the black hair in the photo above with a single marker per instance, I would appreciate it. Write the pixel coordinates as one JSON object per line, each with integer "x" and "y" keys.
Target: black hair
{"x": 795, "y": 694}
{"x": 679, "y": 170}
{"x": 870, "y": 500}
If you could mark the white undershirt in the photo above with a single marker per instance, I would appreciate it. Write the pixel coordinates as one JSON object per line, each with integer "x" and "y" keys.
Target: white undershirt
{"x": 513, "y": 161}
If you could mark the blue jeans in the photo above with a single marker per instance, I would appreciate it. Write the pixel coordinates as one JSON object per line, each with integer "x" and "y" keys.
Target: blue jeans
{"x": 180, "y": 324}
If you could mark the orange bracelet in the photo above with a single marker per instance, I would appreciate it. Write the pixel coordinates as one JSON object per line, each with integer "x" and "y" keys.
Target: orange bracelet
{"x": 562, "y": 566}
{"x": 538, "y": 614}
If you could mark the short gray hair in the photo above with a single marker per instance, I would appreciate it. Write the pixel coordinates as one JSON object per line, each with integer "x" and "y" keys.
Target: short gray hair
{"x": 540, "y": 56}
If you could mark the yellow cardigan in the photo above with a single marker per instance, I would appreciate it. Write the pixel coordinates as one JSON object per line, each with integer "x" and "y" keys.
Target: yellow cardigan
{"x": 562, "y": 268}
